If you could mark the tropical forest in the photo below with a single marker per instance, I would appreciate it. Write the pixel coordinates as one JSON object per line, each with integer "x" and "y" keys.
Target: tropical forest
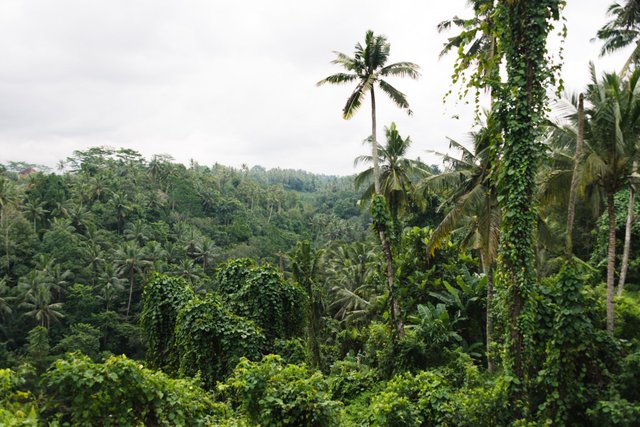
{"x": 496, "y": 286}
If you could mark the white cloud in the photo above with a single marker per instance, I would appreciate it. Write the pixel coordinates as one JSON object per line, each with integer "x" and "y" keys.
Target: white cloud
{"x": 228, "y": 82}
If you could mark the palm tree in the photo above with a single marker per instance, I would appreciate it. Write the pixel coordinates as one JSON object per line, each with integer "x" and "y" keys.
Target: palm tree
{"x": 35, "y": 211}
{"x": 8, "y": 198}
{"x": 137, "y": 231}
{"x": 307, "y": 268}
{"x": 38, "y": 301}
{"x": 204, "y": 252}
{"x": 129, "y": 261}
{"x": 109, "y": 285}
{"x": 397, "y": 172}
{"x": 473, "y": 206}
{"x": 368, "y": 68}
{"x": 612, "y": 126}
{"x": 622, "y": 30}
{"x": 352, "y": 268}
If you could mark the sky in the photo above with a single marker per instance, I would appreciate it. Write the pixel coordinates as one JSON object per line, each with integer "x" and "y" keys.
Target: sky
{"x": 233, "y": 82}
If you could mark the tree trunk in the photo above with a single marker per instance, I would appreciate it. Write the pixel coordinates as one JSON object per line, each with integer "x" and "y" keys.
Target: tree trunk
{"x": 130, "y": 291}
{"x": 611, "y": 260}
{"x": 386, "y": 247}
{"x": 489, "y": 327}
{"x": 573, "y": 191}
{"x": 627, "y": 237}
{"x": 374, "y": 145}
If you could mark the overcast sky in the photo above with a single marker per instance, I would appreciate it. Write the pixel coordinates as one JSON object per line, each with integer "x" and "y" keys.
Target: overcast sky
{"x": 231, "y": 82}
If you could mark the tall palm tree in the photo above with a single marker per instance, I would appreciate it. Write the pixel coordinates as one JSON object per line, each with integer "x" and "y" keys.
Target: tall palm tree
{"x": 612, "y": 129}
{"x": 130, "y": 261}
{"x": 621, "y": 31}
{"x": 368, "y": 67}
{"x": 473, "y": 206}
{"x": 397, "y": 173}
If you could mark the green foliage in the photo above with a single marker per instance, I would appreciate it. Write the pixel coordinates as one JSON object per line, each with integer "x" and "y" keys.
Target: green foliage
{"x": 390, "y": 409}
{"x": 121, "y": 392}
{"x": 260, "y": 293}
{"x": 578, "y": 358}
{"x": 210, "y": 340}
{"x": 38, "y": 347}
{"x": 17, "y": 406}
{"x": 627, "y": 317}
{"x": 163, "y": 298}
{"x": 274, "y": 394}
{"x": 619, "y": 413}
{"x": 349, "y": 378}
{"x": 521, "y": 28}
{"x": 83, "y": 338}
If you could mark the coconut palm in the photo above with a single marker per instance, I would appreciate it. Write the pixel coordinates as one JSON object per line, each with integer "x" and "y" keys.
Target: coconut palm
{"x": 38, "y": 302}
{"x": 368, "y": 67}
{"x": 130, "y": 261}
{"x": 109, "y": 285}
{"x": 622, "y": 30}
{"x": 612, "y": 127}
{"x": 205, "y": 251}
{"x": 352, "y": 268}
{"x": 35, "y": 211}
{"x": 397, "y": 173}
{"x": 472, "y": 206}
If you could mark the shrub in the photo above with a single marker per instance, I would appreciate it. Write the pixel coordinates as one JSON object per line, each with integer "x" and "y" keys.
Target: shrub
{"x": 123, "y": 392}
{"x": 211, "y": 340}
{"x": 273, "y": 394}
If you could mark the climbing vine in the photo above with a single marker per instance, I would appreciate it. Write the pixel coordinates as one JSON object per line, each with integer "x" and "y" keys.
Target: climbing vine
{"x": 211, "y": 340}
{"x": 521, "y": 29}
{"x": 260, "y": 293}
{"x": 163, "y": 298}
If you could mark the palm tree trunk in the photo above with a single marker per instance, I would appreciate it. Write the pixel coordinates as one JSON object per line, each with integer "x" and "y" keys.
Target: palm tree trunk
{"x": 374, "y": 145}
{"x": 573, "y": 191}
{"x": 627, "y": 238}
{"x": 386, "y": 247}
{"x": 130, "y": 291}
{"x": 611, "y": 259}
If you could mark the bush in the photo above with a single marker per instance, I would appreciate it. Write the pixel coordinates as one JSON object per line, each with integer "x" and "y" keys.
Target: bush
{"x": 388, "y": 409}
{"x": 211, "y": 340}
{"x": 349, "y": 379}
{"x": 619, "y": 413}
{"x": 123, "y": 392}
{"x": 273, "y": 394}
{"x": 17, "y": 407}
